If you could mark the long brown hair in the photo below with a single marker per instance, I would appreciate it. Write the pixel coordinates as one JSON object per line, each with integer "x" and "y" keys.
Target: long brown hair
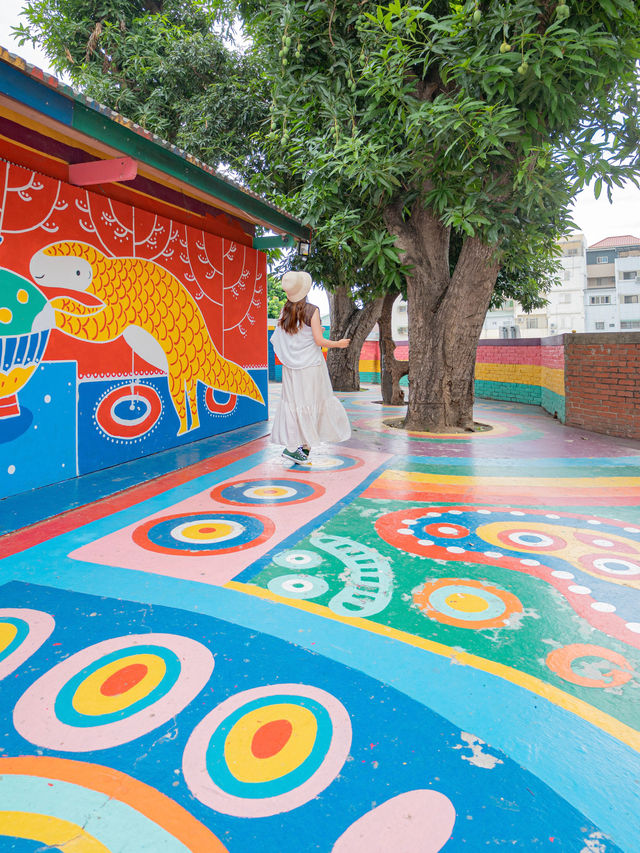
{"x": 293, "y": 315}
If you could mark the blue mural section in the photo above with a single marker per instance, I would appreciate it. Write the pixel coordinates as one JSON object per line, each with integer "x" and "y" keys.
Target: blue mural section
{"x": 121, "y": 420}
{"x": 373, "y": 743}
{"x": 38, "y": 446}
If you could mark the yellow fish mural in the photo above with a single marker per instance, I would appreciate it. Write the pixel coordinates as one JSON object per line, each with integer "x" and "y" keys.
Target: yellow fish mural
{"x": 151, "y": 309}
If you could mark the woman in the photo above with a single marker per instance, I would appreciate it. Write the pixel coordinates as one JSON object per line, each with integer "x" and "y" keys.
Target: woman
{"x": 308, "y": 412}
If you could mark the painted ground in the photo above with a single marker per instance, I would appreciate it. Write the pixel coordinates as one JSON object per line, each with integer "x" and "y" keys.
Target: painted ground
{"x": 419, "y": 643}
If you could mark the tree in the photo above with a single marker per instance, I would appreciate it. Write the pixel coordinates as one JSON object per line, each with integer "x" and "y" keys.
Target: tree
{"x": 477, "y": 120}
{"x": 276, "y": 297}
{"x": 162, "y": 64}
{"x": 391, "y": 369}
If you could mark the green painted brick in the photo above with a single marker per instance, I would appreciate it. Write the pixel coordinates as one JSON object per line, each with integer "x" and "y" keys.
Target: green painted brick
{"x": 518, "y": 393}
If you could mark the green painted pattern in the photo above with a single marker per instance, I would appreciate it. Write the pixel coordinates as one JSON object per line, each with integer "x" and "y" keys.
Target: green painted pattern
{"x": 547, "y": 621}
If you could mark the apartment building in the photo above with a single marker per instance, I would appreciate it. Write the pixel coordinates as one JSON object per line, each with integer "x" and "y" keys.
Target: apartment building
{"x": 565, "y": 309}
{"x": 612, "y": 295}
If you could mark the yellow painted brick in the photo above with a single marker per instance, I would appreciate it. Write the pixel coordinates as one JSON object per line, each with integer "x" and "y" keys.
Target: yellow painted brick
{"x": 553, "y": 379}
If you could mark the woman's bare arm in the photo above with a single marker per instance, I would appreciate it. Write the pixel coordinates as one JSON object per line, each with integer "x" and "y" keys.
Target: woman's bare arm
{"x": 316, "y": 328}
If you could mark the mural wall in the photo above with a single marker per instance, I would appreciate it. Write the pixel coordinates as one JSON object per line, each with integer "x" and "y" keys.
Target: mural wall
{"x": 122, "y": 333}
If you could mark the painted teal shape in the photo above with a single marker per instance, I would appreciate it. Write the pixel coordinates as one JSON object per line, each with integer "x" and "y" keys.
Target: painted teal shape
{"x": 370, "y": 579}
{"x": 554, "y": 403}
{"x": 518, "y": 392}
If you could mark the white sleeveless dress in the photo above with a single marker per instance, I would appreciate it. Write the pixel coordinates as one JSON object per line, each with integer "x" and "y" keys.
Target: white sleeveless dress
{"x": 308, "y": 412}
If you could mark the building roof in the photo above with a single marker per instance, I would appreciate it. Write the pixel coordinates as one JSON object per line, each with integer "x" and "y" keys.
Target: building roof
{"x": 29, "y": 89}
{"x": 616, "y": 242}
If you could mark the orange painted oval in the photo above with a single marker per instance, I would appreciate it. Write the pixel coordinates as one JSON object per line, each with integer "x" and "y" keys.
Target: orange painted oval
{"x": 271, "y": 738}
{"x": 124, "y": 679}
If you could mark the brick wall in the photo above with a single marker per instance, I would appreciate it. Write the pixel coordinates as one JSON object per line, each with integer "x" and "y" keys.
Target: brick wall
{"x": 509, "y": 370}
{"x": 602, "y": 382}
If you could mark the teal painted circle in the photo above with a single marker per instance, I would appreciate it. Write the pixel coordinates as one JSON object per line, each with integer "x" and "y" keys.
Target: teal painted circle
{"x": 21, "y": 634}
{"x": 495, "y": 605}
{"x": 66, "y": 713}
{"x": 298, "y": 586}
{"x": 221, "y": 775}
{"x": 297, "y": 559}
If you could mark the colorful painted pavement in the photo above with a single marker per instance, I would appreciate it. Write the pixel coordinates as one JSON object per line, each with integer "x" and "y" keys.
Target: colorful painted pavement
{"x": 419, "y": 643}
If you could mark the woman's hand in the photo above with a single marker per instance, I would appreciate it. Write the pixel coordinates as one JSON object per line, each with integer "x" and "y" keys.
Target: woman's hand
{"x": 343, "y": 343}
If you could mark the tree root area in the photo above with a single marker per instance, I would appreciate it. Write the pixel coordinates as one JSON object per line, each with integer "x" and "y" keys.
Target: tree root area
{"x": 398, "y": 423}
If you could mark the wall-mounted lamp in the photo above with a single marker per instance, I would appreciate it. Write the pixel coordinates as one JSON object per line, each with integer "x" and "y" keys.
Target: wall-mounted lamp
{"x": 303, "y": 249}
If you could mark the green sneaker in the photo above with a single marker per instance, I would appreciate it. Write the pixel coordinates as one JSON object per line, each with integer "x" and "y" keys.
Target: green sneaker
{"x": 298, "y": 455}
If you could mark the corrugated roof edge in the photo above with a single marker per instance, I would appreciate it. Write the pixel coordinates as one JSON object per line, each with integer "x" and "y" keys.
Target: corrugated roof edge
{"x": 52, "y": 82}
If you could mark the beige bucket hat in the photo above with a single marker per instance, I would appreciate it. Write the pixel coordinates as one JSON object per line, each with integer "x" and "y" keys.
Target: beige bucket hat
{"x": 296, "y": 284}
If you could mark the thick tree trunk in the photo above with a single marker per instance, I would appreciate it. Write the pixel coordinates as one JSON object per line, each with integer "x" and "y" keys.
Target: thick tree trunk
{"x": 446, "y": 313}
{"x": 392, "y": 370}
{"x": 349, "y": 321}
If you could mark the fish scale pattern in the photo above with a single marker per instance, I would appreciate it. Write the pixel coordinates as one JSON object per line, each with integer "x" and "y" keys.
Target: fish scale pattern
{"x": 139, "y": 292}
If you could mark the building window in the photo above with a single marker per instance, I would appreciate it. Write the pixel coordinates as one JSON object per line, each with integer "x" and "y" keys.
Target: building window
{"x": 402, "y": 330}
{"x": 565, "y": 298}
{"x": 599, "y": 327}
{"x": 567, "y": 275}
{"x": 631, "y": 275}
{"x": 536, "y": 322}
{"x": 602, "y": 259}
{"x": 608, "y": 281}
{"x": 402, "y": 308}
{"x": 631, "y": 298}
{"x": 568, "y": 253}
{"x": 630, "y": 324}
{"x": 599, "y": 300}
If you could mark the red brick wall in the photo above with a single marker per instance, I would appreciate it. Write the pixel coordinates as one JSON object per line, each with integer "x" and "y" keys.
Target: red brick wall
{"x": 602, "y": 382}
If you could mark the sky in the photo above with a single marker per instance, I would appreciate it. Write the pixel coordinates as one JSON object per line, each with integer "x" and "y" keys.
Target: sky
{"x": 597, "y": 218}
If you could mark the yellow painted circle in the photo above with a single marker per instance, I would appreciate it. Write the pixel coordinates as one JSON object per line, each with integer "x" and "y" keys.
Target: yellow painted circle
{"x": 237, "y": 748}
{"x": 465, "y": 602}
{"x": 7, "y": 635}
{"x": 90, "y": 701}
{"x": 207, "y": 531}
{"x": 269, "y": 491}
{"x": 22, "y": 296}
{"x": 5, "y": 315}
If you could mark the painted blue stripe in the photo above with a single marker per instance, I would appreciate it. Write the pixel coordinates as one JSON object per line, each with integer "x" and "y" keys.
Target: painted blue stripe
{"x": 21, "y": 349}
{"x": 20, "y": 87}
{"x": 9, "y": 349}
{"x": 44, "y": 337}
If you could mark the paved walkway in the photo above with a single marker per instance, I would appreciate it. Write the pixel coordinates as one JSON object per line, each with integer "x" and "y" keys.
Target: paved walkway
{"x": 419, "y": 643}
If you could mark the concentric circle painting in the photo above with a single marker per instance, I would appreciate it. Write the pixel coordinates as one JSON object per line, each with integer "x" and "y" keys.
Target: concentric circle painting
{"x": 466, "y": 603}
{"x": 203, "y": 533}
{"x": 267, "y": 750}
{"x": 113, "y": 692}
{"x": 266, "y": 491}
